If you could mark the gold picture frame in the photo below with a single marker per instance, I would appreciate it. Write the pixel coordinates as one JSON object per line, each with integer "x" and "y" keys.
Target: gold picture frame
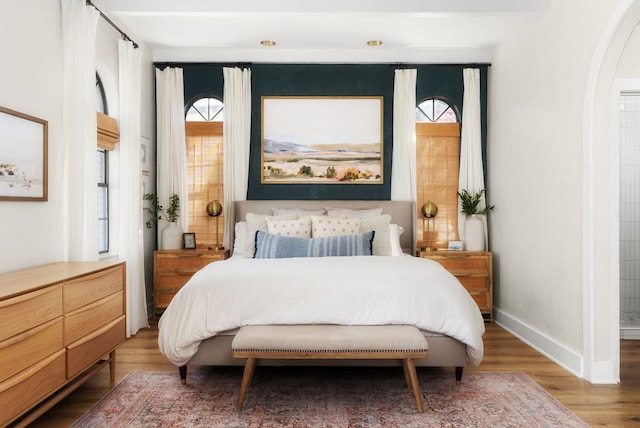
{"x": 322, "y": 140}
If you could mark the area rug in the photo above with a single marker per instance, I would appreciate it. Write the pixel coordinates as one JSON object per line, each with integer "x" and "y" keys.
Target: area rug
{"x": 327, "y": 397}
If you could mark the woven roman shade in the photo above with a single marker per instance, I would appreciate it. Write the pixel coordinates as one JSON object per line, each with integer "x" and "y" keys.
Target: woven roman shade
{"x": 108, "y": 133}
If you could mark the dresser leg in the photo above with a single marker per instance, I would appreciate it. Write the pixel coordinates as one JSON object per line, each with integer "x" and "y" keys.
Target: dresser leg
{"x": 112, "y": 365}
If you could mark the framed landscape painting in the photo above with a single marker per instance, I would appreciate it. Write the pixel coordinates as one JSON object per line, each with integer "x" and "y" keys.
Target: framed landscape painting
{"x": 322, "y": 140}
{"x": 23, "y": 157}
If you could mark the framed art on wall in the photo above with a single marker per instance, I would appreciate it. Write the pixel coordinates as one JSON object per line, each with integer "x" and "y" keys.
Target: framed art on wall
{"x": 23, "y": 157}
{"x": 322, "y": 140}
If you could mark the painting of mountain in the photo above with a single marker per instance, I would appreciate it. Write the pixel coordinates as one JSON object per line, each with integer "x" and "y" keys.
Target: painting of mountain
{"x": 322, "y": 140}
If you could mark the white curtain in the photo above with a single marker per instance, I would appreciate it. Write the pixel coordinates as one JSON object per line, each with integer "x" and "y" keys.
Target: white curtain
{"x": 131, "y": 240}
{"x": 171, "y": 170}
{"x": 471, "y": 169}
{"x": 403, "y": 170}
{"x": 236, "y": 138}
{"x": 78, "y": 215}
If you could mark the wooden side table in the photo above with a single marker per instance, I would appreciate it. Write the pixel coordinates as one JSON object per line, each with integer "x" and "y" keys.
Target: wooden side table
{"x": 173, "y": 268}
{"x": 474, "y": 270}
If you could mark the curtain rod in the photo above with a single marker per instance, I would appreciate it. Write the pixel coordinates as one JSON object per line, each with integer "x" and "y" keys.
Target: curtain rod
{"x": 110, "y": 22}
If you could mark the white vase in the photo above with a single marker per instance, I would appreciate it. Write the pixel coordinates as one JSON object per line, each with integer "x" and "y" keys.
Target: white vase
{"x": 171, "y": 238}
{"x": 473, "y": 234}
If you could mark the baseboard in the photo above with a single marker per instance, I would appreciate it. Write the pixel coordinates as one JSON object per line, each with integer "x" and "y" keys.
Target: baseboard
{"x": 551, "y": 349}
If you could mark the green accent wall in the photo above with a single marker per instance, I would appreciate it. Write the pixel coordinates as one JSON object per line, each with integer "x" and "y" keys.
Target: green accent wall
{"x": 442, "y": 81}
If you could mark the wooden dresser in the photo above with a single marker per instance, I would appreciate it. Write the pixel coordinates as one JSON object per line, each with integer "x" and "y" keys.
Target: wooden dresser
{"x": 474, "y": 269}
{"x": 59, "y": 324}
{"x": 173, "y": 268}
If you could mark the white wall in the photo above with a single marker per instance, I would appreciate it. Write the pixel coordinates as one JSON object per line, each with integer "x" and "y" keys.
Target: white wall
{"x": 535, "y": 150}
{"x": 32, "y": 58}
{"x": 31, "y": 83}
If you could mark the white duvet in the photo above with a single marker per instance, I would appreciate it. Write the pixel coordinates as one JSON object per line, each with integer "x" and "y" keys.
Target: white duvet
{"x": 361, "y": 290}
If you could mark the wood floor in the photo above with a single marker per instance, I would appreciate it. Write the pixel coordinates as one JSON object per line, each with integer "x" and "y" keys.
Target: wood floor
{"x": 599, "y": 405}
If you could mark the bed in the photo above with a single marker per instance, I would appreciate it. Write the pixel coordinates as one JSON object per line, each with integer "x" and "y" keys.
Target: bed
{"x": 390, "y": 286}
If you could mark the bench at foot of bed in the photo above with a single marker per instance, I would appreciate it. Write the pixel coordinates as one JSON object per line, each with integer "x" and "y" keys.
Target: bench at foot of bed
{"x": 401, "y": 342}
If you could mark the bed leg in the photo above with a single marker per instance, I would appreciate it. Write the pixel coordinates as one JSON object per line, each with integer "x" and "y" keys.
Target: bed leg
{"x": 183, "y": 374}
{"x": 458, "y": 376}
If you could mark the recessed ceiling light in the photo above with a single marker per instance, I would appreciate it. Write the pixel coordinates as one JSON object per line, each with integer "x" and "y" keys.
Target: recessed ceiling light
{"x": 374, "y": 42}
{"x": 268, "y": 43}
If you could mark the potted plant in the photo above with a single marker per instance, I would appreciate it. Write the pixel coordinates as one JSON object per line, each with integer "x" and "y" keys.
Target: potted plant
{"x": 171, "y": 237}
{"x": 470, "y": 202}
{"x": 157, "y": 211}
{"x": 474, "y": 239}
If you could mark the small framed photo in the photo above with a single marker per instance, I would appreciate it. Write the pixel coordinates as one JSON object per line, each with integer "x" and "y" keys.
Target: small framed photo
{"x": 455, "y": 245}
{"x": 189, "y": 240}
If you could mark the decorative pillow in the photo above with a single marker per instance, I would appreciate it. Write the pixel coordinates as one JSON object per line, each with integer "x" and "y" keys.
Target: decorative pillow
{"x": 300, "y": 212}
{"x": 346, "y": 212}
{"x": 380, "y": 225}
{"x": 270, "y": 246}
{"x": 240, "y": 240}
{"x": 322, "y": 226}
{"x": 257, "y": 222}
{"x": 395, "y": 231}
{"x": 299, "y": 228}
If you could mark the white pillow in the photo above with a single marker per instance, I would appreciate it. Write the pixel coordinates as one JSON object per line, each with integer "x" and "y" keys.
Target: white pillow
{"x": 300, "y": 212}
{"x": 299, "y": 228}
{"x": 257, "y": 222}
{"x": 382, "y": 237}
{"x": 346, "y": 212}
{"x": 394, "y": 236}
{"x": 239, "y": 241}
{"x": 322, "y": 226}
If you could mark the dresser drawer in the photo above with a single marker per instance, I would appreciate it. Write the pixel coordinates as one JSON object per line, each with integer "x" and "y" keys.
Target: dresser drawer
{"x": 171, "y": 281}
{"x": 27, "y": 388}
{"x": 187, "y": 264}
{"x": 86, "y": 351}
{"x": 88, "y": 318}
{"x": 482, "y": 300}
{"x": 21, "y": 351}
{"x": 474, "y": 283}
{"x": 463, "y": 264}
{"x": 24, "y": 312}
{"x": 82, "y": 291}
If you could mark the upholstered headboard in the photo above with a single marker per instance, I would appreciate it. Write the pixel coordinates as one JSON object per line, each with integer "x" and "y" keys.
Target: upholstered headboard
{"x": 401, "y": 212}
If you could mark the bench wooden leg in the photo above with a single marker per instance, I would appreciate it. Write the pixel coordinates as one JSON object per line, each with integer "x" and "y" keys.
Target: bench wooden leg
{"x": 405, "y": 370}
{"x": 249, "y": 368}
{"x": 413, "y": 377}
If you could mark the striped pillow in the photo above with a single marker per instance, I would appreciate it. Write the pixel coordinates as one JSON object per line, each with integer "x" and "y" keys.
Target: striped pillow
{"x": 269, "y": 246}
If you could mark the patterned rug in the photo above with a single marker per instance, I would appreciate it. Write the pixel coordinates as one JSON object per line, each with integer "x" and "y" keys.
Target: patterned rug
{"x": 327, "y": 397}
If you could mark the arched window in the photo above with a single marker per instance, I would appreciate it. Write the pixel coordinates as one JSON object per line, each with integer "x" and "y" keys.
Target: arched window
{"x": 435, "y": 110}
{"x": 101, "y": 99}
{"x": 437, "y": 167}
{"x": 203, "y": 125}
{"x": 103, "y": 177}
{"x": 206, "y": 110}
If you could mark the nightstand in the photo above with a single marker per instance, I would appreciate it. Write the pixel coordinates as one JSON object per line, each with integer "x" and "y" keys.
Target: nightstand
{"x": 474, "y": 269}
{"x": 173, "y": 268}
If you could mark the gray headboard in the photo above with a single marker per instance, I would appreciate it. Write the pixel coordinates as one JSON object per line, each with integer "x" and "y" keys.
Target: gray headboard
{"x": 402, "y": 212}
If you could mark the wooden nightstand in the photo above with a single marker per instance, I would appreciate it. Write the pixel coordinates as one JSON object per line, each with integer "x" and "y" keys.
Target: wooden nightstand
{"x": 474, "y": 269}
{"x": 173, "y": 268}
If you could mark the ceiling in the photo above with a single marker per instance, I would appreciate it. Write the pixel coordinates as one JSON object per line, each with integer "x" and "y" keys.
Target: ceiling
{"x": 321, "y": 31}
